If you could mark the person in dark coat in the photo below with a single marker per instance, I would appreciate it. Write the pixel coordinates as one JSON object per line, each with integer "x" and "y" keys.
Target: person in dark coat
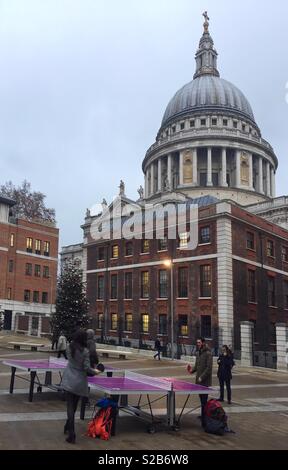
{"x": 203, "y": 369}
{"x": 225, "y": 363}
{"x": 91, "y": 346}
{"x": 157, "y": 348}
{"x": 74, "y": 380}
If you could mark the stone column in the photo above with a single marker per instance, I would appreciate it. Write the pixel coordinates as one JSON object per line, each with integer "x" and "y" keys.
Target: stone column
{"x": 238, "y": 169}
{"x": 39, "y": 326}
{"x": 181, "y": 181}
{"x": 246, "y": 331}
{"x": 209, "y": 167}
{"x": 195, "y": 167}
{"x": 152, "y": 179}
{"x": 268, "y": 176}
{"x": 251, "y": 172}
{"x": 281, "y": 341}
{"x": 29, "y": 325}
{"x": 273, "y": 189}
{"x": 146, "y": 184}
{"x": 159, "y": 175}
{"x": 261, "y": 190}
{"x": 224, "y": 168}
{"x": 169, "y": 169}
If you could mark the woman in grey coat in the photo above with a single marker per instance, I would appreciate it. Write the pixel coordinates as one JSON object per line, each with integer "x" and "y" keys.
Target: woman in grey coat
{"x": 74, "y": 380}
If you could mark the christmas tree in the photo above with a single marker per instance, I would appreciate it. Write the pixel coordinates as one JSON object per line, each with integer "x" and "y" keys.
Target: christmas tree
{"x": 71, "y": 304}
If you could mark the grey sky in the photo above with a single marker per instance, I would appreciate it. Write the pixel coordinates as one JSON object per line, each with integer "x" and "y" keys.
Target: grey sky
{"x": 84, "y": 85}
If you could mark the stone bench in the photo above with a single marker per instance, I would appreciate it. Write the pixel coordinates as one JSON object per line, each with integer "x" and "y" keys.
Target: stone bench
{"x": 113, "y": 352}
{"x": 33, "y": 346}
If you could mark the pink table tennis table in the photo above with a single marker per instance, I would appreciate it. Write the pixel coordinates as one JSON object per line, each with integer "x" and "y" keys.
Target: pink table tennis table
{"x": 40, "y": 366}
{"x": 120, "y": 388}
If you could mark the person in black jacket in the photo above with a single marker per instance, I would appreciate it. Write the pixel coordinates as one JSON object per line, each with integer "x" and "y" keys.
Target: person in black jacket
{"x": 225, "y": 363}
{"x": 157, "y": 348}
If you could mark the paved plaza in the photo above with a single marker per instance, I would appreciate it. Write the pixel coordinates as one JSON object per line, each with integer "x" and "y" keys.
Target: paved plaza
{"x": 258, "y": 414}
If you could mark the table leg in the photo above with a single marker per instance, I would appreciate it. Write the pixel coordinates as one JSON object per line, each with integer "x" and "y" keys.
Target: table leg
{"x": 83, "y": 406}
{"x": 31, "y": 389}
{"x": 48, "y": 378}
{"x": 115, "y": 413}
{"x": 13, "y": 371}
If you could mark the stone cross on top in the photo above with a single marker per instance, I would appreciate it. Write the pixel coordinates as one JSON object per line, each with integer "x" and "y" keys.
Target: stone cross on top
{"x": 206, "y": 24}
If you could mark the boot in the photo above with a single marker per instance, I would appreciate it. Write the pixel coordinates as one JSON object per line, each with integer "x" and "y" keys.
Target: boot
{"x": 71, "y": 438}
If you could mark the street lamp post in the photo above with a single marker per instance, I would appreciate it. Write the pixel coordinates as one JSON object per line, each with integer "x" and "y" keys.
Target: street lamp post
{"x": 169, "y": 263}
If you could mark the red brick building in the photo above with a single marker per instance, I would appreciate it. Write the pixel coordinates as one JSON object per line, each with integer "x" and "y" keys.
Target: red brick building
{"x": 238, "y": 272}
{"x": 28, "y": 272}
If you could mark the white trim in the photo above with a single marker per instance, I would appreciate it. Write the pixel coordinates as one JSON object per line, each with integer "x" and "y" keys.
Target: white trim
{"x": 2, "y": 248}
{"x": 19, "y": 252}
{"x": 259, "y": 265}
{"x": 152, "y": 263}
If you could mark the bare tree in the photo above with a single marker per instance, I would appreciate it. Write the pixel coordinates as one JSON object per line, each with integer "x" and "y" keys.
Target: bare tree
{"x": 29, "y": 205}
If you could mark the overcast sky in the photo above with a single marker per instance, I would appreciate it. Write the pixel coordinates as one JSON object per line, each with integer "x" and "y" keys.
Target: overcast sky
{"x": 84, "y": 85}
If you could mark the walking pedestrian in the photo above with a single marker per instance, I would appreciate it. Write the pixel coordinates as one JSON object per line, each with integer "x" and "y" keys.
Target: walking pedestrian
{"x": 75, "y": 381}
{"x": 203, "y": 369}
{"x": 225, "y": 363}
{"x": 62, "y": 346}
{"x": 158, "y": 348}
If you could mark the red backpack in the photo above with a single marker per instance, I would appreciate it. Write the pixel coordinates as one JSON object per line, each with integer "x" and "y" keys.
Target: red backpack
{"x": 101, "y": 424}
{"x": 215, "y": 418}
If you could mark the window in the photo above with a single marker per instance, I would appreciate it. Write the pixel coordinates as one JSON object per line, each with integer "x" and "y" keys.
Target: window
{"x": 203, "y": 122}
{"x": 37, "y": 270}
{"x": 214, "y": 122}
{"x": 128, "y": 285}
{"x": 46, "y": 271}
{"x": 206, "y": 326}
{"x": 145, "y": 245}
{"x": 129, "y": 249}
{"x": 286, "y": 294}
{"x": 100, "y": 288}
{"x": 115, "y": 251}
{"x": 38, "y": 247}
{"x": 101, "y": 253}
{"x": 225, "y": 122}
{"x": 12, "y": 239}
{"x": 271, "y": 292}
{"x": 270, "y": 248}
{"x": 145, "y": 323}
{"x": 183, "y": 282}
{"x": 250, "y": 241}
{"x": 204, "y": 235}
{"x": 163, "y": 284}
{"x": 11, "y": 265}
{"x": 28, "y": 269}
{"x": 36, "y": 296}
{"x": 235, "y": 124}
{"x": 182, "y": 126}
{"x": 243, "y": 127}
{"x": 26, "y": 295}
{"x": 192, "y": 123}
{"x": 162, "y": 324}
{"x": 145, "y": 285}
{"x": 128, "y": 321}
{"x": 174, "y": 129}
{"x": 9, "y": 293}
{"x": 113, "y": 286}
{"x": 46, "y": 248}
{"x": 99, "y": 321}
{"x": 44, "y": 297}
{"x": 114, "y": 321}
{"x": 285, "y": 254}
{"x": 205, "y": 281}
{"x": 183, "y": 325}
{"x": 251, "y": 286}
{"x": 203, "y": 179}
{"x": 163, "y": 244}
{"x": 183, "y": 240}
{"x": 29, "y": 245}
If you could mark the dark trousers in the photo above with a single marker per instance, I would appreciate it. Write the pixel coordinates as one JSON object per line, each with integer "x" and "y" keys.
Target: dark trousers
{"x": 62, "y": 352}
{"x": 203, "y": 400}
{"x": 72, "y": 402}
{"x": 228, "y": 387}
{"x": 157, "y": 354}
